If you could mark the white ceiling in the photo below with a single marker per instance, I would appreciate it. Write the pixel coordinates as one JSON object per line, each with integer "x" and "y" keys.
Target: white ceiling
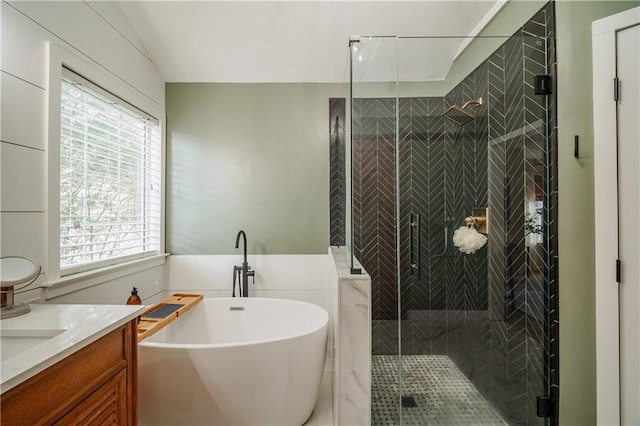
{"x": 300, "y": 41}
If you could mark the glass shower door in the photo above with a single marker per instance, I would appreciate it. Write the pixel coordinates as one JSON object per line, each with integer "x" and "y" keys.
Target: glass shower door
{"x": 461, "y": 331}
{"x": 444, "y": 318}
{"x": 475, "y": 304}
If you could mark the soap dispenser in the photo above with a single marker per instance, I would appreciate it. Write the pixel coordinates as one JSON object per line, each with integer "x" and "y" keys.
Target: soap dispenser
{"x": 134, "y": 299}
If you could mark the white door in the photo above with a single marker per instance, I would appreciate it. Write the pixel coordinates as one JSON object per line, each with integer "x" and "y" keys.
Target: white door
{"x": 628, "y": 129}
{"x": 616, "y": 159}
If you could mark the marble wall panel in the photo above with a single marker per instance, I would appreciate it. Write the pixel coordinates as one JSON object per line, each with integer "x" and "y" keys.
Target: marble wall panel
{"x": 352, "y": 341}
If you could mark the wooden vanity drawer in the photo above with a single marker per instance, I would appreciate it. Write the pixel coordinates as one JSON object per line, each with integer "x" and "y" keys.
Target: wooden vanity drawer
{"x": 105, "y": 406}
{"x": 108, "y": 364}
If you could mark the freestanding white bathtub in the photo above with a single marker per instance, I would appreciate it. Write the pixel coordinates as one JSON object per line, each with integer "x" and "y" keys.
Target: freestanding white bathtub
{"x": 234, "y": 361}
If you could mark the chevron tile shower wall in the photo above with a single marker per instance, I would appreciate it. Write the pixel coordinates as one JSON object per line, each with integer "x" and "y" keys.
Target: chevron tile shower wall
{"x": 337, "y": 190}
{"x": 492, "y": 313}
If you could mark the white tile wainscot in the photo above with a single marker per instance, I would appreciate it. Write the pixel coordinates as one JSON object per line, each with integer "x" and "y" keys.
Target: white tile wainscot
{"x": 297, "y": 277}
{"x": 351, "y": 299}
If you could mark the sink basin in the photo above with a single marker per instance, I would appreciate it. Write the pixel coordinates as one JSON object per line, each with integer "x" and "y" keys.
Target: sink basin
{"x": 14, "y": 342}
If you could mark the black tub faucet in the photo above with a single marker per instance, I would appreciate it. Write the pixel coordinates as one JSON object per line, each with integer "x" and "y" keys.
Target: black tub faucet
{"x": 244, "y": 271}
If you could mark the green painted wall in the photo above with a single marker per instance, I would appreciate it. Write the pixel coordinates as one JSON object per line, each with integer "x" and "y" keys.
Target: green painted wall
{"x": 576, "y": 209}
{"x": 252, "y": 157}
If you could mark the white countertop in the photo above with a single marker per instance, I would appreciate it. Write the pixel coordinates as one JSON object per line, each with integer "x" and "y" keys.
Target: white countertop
{"x": 52, "y": 333}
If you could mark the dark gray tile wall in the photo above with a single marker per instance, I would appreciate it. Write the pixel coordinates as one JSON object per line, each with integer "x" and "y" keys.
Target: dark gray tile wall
{"x": 337, "y": 181}
{"x": 374, "y": 199}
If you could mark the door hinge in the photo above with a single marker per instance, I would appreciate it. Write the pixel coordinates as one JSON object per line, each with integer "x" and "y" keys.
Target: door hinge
{"x": 616, "y": 89}
{"x": 618, "y": 270}
{"x": 542, "y": 84}
{"x": 545, "y": 406}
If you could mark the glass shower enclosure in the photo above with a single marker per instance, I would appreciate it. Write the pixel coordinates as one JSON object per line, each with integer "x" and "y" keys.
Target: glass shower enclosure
{"x": 452, "y": 212}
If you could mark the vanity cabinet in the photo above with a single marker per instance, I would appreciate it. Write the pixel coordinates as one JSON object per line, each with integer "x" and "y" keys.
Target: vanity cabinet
{"x": 96, "y": 385}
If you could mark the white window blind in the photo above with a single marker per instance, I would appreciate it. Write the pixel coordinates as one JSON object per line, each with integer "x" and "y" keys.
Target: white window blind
{"x": 110, "y": 179}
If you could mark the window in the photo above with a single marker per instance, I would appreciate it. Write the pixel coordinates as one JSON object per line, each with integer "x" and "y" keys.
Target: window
{"x": 110, "y": 178}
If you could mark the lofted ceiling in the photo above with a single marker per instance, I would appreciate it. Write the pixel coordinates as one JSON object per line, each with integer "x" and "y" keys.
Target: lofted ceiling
{"x": 300, "y": 41}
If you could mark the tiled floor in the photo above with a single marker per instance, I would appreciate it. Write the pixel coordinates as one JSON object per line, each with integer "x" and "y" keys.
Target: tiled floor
{"x": 442, "y": 394}
{"x": 323, "y": 412}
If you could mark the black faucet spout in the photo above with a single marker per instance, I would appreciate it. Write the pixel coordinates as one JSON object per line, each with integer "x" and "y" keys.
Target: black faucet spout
{"x": 244, "y": 245}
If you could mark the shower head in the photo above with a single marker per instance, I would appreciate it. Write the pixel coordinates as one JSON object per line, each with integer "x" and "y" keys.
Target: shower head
{"x": 460, "y": 115}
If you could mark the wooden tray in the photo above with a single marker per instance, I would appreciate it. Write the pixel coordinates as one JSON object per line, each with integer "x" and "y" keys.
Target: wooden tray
{"x": 161, "y": 314}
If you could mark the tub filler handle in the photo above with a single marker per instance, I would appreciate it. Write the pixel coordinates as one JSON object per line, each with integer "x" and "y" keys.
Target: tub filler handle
{"x": 237, "y": 279}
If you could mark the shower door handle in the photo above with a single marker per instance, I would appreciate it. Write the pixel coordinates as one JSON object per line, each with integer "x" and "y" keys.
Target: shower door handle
{"x": 414, "y": 256}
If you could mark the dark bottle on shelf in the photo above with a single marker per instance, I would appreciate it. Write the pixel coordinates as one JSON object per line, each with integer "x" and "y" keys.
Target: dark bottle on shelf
{"x": 134, "y": 299}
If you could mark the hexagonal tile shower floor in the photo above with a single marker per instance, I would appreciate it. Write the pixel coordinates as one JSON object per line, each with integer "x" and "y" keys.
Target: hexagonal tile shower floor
{"x": 441, "y": 393}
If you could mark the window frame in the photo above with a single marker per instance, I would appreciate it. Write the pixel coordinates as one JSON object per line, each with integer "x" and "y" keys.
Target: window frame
{"x": 59, "y": 58}
{"x": 70, "y": 78}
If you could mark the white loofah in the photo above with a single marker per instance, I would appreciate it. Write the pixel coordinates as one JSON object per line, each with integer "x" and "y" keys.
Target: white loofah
{"x": 468, "y": 240}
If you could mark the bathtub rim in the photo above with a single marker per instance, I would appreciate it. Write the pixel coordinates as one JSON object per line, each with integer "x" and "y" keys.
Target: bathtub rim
{"x": 161, "y": 345}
